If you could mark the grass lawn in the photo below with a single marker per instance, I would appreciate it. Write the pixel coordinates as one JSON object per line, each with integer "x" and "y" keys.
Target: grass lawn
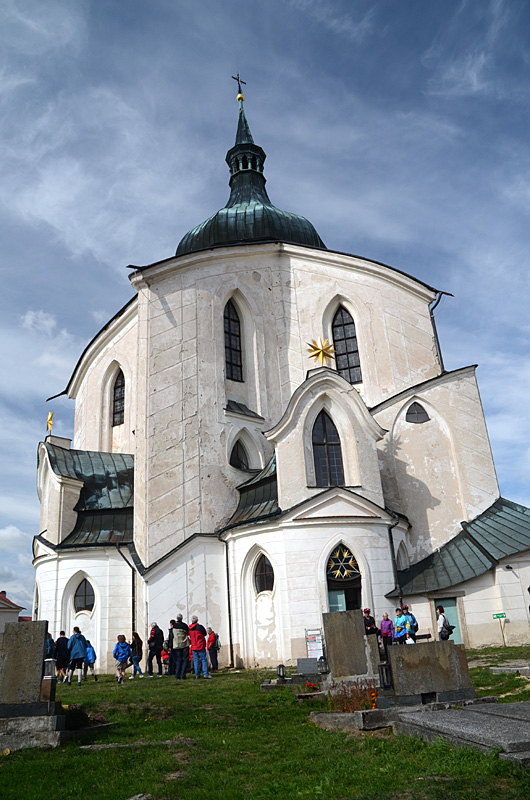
{"x": 236, "y": 743}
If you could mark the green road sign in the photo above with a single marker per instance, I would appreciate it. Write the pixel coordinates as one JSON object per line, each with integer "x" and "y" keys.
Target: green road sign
{"x": 499, "y": 616}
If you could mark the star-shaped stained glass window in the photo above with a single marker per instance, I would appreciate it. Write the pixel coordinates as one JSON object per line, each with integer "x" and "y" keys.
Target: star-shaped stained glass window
{"x": 342, "y": 565}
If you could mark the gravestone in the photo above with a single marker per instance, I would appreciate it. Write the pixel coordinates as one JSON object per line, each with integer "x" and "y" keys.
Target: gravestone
{"x": 26, "y": 720}
{"x": 427, "y": 673}
{"x": 22, "y": 649}
{"x": 350, "y": 652}
{"x": 307, "y": 666}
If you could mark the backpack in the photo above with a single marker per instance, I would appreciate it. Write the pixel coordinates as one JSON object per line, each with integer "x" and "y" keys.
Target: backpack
{"x": 447, "y": 630}
{"x": 217, "y": 643}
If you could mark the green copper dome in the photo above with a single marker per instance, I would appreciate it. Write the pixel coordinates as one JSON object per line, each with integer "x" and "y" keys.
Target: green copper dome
{"x": 249, "y": 215}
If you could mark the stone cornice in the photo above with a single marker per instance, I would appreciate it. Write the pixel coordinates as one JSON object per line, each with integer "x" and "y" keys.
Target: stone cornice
{"x": 151, "y": 273}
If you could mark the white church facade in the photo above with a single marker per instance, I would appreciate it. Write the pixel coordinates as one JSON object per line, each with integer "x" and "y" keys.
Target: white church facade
{"x": 217, "y": 470}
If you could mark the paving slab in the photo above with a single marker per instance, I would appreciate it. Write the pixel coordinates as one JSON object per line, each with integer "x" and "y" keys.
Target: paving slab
{"x": 467, "y": 727}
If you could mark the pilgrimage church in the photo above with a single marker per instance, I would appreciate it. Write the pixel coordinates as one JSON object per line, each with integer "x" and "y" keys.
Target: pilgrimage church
{"x": 264, "y": 433}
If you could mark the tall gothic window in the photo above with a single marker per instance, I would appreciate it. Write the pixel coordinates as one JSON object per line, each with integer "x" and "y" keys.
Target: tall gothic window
{"x": 345, "y": 344}
{"x": 264, "y": 575}
{"x": 326, "y": 452}
{"x": 233, "y": 354}
{"x": 84, "y": 597}
{"x": 118, "y": 400}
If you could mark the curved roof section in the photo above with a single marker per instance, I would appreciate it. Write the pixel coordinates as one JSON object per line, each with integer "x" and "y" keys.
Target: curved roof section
{"x": 500, "y": 531}
{"x": 108, "y": 478}
{"x": 249, "y": 216}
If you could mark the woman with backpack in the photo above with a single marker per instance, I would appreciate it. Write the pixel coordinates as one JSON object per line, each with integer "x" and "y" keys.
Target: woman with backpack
{"x": 444, "y": 628}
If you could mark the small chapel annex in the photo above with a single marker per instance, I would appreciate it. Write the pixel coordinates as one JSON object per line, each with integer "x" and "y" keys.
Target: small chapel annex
{"x": 216, "y": 470}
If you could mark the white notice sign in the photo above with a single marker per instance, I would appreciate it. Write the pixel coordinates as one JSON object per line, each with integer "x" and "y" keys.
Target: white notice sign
{"x": 313, "y": 639}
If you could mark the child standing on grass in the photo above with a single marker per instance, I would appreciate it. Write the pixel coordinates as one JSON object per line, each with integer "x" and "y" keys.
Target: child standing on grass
{"x": 88, "y": 663}
{"x": 122, "y": 653}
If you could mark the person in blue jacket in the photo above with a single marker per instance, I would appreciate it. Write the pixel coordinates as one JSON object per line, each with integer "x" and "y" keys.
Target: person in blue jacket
{"x": 89, "y": 661}
{"x": 122, "y": 653}
{"x": 77, "y": 653}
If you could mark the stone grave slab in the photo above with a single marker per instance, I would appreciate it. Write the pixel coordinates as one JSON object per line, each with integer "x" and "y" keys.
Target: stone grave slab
{"x": 349, "y": 650}
{"x": 520, "y": 711}
{"x": 467, "y": 727}
{"x": 427, "y": 673}
{"x": 22, "y": 649}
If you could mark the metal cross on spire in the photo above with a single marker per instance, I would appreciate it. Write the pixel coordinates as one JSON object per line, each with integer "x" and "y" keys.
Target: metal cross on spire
{"x": 239, "y": 82}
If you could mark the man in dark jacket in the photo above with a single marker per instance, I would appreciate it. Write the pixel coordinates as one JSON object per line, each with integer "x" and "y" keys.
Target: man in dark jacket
{"x": 62, "y": 655}
{"x": 179, "y": 647}
{"x": 198, "y": 648}
{"x": 155, "y": 644}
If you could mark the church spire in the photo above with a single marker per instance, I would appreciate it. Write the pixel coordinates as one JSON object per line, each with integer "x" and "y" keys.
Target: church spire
{"x": 249, "y": 216}
{"x": 245, "y": 161}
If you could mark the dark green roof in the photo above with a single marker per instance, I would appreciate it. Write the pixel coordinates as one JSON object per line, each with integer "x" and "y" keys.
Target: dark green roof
{"x": 108, "y": 478}
{"x": 105, "y": 505}
{"x": 100, "y": 529}
{"x": 258, "y": 497}
{"x": 501, "y": 531}
{"x": 249, "y": 216}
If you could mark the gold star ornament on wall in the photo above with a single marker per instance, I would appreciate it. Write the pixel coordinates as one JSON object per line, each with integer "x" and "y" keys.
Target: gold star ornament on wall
{"x": 321, "y": 351}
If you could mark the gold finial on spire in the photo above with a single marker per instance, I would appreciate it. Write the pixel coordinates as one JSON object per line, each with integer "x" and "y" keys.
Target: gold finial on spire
{"x": 49, "y": 422}
{"x": 321, "y": 351}
{"x": 240, "y": 95}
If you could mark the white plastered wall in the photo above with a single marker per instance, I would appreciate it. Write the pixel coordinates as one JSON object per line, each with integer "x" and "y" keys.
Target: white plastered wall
{"x": 191, "y": 581}
{"x": 298, "y": 548}
{"x": 440, "y": 472}
{"x": 59, "y": 575}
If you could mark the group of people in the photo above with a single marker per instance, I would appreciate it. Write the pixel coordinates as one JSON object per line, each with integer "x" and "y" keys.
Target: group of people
{"x": 185, "y": 646}
{"x": 403, "y": 628}
{"x": 400, "y": 630}
{"x": 71, "y": 654}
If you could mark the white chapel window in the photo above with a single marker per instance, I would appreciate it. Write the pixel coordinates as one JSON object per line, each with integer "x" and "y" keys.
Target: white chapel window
{"x": 84, "y": 597}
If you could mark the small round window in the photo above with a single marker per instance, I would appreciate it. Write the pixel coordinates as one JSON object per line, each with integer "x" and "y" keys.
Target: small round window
{"x": 264, "y": 575}
{"x": 84, "y": 597}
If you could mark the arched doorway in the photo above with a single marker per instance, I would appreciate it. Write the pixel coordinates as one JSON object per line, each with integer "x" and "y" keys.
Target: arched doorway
{"x": 343, "y": 579}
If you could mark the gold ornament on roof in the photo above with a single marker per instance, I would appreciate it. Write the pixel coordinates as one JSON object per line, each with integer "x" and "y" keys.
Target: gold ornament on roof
{"x": 321, "y": 351}
{"x": 49, "y": 421}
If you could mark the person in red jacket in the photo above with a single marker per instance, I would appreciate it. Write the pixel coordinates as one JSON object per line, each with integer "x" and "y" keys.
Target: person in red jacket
{"x": 212, "y": 646}
{"x": 197, "y": 636}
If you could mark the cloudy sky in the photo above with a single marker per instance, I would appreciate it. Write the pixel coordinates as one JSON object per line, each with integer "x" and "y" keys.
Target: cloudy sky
{"x": 399, "y": 128}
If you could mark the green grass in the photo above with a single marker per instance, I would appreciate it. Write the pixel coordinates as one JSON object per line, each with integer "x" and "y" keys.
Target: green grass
{"x": 246, "y": 745}
{"x": 496, "y": 656}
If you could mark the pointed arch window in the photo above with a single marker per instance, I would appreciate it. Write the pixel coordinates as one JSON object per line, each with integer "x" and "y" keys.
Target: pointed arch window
{"x": 264, "y": 575}
{"x": 417, "y": 414}
{"x": 118, "y": 400}
{"x": 84, "y": 597}
{"x": 345, "y": 344}
{"x": 239, "y": 457}
{"x": 343, "y": 578}
{"x": 233, "y": 350}
{"x": 327, "y": 453}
